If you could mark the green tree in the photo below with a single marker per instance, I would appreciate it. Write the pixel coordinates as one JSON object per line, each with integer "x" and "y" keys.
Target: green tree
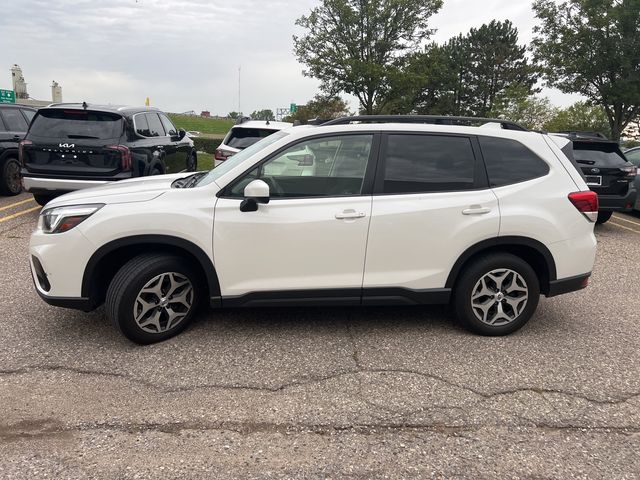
{"x": 580, "y": 117}
{"x": 592, "y": 47}
{"x": 320, "y": 106}
{"x": 467, "y": 74}
{"x": 265, "y": 114}
{"x": 233, "y": 115}
{"x": 518, "y": 105}
{"x": 359, "y": 46}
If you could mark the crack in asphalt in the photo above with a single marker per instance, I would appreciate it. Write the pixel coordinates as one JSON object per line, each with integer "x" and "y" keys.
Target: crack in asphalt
{"x": 320, "y": 379}
{"x": 46, "y": 428}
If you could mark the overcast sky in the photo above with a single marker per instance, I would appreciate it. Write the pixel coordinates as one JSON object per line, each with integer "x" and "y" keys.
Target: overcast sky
{"x": 185, "y": 54}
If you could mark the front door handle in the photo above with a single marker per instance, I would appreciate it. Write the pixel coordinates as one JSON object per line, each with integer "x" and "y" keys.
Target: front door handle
{"x": 350, "y": 214}
{"x": 476, "y": 210}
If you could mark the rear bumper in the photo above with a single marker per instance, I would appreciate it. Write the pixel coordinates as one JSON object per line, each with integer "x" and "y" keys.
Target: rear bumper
{"x": 568, "y": 285}
{"x": 42, "y": 183}
{"x": 615, "y": 203}
{"x": 50, "y": 185}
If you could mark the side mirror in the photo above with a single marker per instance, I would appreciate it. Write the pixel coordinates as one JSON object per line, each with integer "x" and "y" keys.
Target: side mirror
{"x": 304, "y": 160}
{"x": 257, "y": 191}
{"x": 181, "y": 133}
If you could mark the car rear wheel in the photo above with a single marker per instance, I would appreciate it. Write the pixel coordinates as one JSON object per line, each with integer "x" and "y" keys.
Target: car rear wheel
{"x": 496, "y": 294}
{"x": 153, "y": 297}
{"x": 10, "y": 178}
{"x": 603, "y": 217}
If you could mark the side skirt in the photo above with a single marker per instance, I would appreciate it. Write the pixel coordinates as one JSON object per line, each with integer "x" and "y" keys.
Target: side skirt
{"x": 335, "y": 297}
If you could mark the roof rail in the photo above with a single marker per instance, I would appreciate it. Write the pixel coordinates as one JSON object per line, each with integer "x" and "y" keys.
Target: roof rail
{"x": 431, "y": 119}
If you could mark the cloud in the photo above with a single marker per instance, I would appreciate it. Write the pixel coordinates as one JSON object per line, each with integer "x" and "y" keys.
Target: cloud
{"x": 183, "y": 55}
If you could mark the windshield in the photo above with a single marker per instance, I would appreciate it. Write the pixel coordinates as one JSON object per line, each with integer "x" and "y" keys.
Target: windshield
{"x": 240, "y": 157}
{"x": 242, "y": 137}
{"x": 59, "y": 123}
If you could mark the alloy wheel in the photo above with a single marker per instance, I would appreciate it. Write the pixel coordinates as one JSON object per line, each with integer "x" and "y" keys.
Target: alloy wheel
{"x": 163, "y": 302}
{"x": 499, "y": 297}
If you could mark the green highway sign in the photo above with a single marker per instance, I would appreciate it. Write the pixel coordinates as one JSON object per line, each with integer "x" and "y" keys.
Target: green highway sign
{"x": 293, "y": 108}
{"x": 7, "y": 96}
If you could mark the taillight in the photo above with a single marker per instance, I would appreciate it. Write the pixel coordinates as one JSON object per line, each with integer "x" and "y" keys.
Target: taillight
{"x": 222, "y": 155}
{"x": 631, "y": 172}
{"x": 586, "y": 203}
{"x": 125, "y": 156}
{"x": 21, "y": 150}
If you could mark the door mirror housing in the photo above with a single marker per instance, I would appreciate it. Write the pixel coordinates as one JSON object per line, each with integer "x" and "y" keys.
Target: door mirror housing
{"x": 181, "y": 133}
{"x": 257, "y": 191}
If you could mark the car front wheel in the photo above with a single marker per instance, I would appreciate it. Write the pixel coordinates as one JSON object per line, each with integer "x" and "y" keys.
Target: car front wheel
{"x": 496, "y": 294}
{"x": 153, "y": 297}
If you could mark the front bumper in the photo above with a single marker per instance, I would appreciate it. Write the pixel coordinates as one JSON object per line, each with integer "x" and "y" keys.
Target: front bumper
{"x": 57, "y": 264}
{"x": 616, "y": 203}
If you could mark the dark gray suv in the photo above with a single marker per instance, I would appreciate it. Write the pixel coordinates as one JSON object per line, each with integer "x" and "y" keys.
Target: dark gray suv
{"x": 14, "y": 123}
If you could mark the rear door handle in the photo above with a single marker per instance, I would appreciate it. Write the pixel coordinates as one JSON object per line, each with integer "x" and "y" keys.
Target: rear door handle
{"x": 476, "y": 210}
{"x": 350, "y": 214}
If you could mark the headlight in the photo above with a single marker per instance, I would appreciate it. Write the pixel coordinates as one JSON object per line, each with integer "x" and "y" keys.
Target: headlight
{"x": 63, "y": 219}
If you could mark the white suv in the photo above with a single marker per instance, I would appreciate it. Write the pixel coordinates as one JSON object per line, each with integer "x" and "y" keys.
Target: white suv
{"x": 244, "y": 134}
{"x": 372, "y": 213}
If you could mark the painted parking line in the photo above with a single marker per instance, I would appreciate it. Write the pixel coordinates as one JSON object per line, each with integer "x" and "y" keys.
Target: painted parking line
{"x": 624, "y": 219}
{"x": 12, "y": 205}
{"x": 23, "y": 212}
{"x": 625, "y": 227}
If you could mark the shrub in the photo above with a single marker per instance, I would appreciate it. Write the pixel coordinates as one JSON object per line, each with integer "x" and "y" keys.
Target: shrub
{"x": 208, "y": 145}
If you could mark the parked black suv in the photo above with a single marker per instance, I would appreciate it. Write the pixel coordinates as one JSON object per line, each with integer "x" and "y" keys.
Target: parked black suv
{"x": 14, "y": 123}
{"x": 606, "y": 171}
{"x": 74, "y": 146}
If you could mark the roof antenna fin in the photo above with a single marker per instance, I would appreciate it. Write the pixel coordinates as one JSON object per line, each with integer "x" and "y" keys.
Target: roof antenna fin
{"x": 84, "y": 105}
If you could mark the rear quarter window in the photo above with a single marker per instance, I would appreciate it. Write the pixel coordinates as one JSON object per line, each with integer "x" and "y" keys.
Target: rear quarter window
{"x": 509, "y": 161}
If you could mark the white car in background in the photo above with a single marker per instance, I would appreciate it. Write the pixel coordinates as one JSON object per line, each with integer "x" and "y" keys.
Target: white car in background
{"x": 244, "y": 134}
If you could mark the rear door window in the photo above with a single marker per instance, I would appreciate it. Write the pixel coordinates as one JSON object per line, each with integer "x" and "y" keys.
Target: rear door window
{"x": 155, "y": 126}
{"x": 509, "y": 161}
{"x": 428, "y": 163}
{"x": 244, "y": 137}
{"x": 14, "y": 120}
{"x": 58, "y": 123}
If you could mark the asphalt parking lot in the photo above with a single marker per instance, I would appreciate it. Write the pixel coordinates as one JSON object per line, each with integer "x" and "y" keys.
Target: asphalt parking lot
{"x": 323, "y": 393}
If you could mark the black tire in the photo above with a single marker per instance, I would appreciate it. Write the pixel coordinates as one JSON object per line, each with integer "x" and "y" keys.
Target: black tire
{"x": 127, "y": 285}
{"x": 469, "y": 281}
{"x": 10, "y": 177}
{"x": 603, "y": 217}
{"x": 192, "y": 163}
{"x": 43, "y": 199}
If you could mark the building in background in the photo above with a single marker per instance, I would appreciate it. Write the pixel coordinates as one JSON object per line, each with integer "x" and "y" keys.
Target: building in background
{"x": 19, "y": 85}
{"x": 22, "y": 95}
{"x": 56, "y": 92}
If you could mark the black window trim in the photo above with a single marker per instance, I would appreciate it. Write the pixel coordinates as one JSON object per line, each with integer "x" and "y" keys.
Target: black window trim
{"x": 480, "y": 181}
{"x": 524, "y": 146}
{"x": 367, "y": 182}
{"x": 135, "y": 128}
{"x": 27, "y": 109}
